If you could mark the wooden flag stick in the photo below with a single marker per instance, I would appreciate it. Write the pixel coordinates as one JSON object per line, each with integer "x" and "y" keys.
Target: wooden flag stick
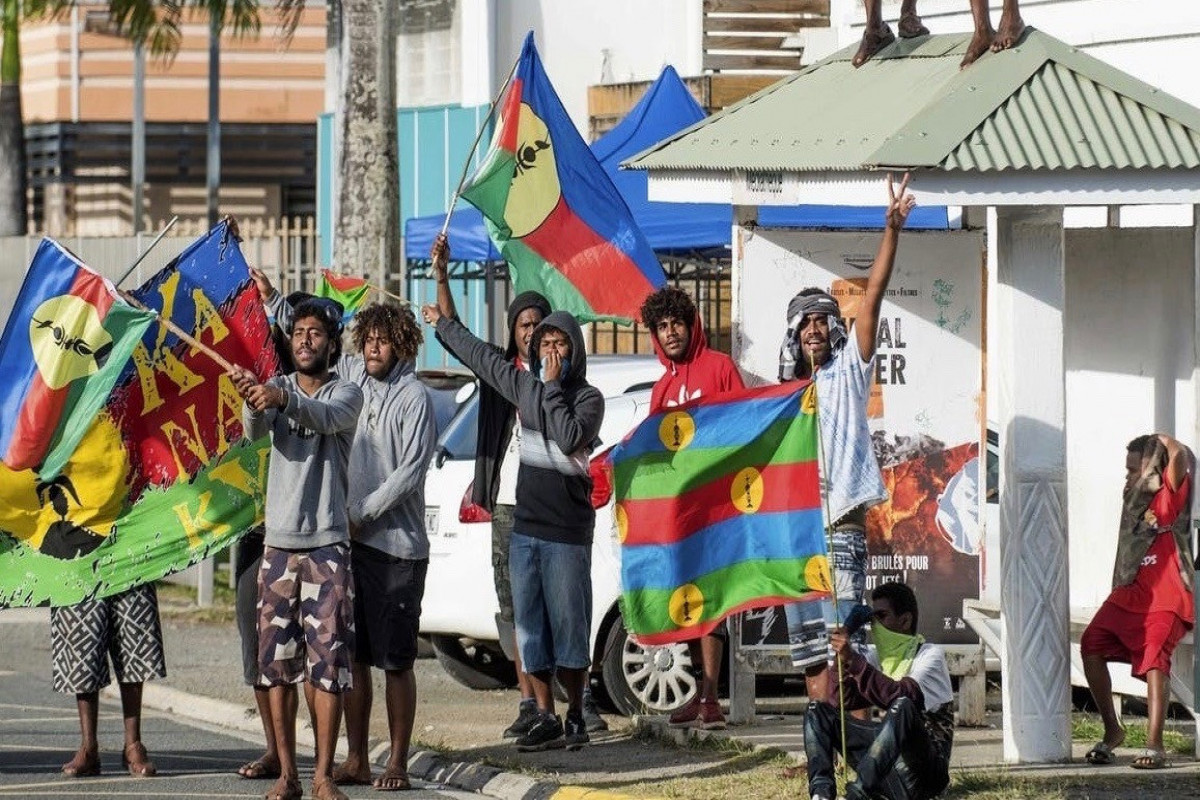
{"x": 182, "y": 334}
{"x": 478, "y": 136}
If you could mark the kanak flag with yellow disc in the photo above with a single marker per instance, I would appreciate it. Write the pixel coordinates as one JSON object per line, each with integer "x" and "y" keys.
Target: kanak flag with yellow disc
{"x": 718, "y": 511}
{"x": 68, "y": 339}
{"x": 552, "y": 210}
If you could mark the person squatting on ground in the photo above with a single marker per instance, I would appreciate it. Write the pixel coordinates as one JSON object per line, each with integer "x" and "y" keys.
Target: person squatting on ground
{"x": 496, "y": 465}
{"x": 125, "y": 628}
{"x": 551, "y": 551}
{"x": 306, "y": 614}
{"x": 692, "y": 371}
{"x": 1151, "y": 606}
{"x": 906, "y": 755}
{"x": 845, "y": 364}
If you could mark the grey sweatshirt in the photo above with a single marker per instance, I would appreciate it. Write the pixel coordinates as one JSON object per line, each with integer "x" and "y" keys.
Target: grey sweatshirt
{"x": 391, "y": 452}
{"x": 311, "y": 439}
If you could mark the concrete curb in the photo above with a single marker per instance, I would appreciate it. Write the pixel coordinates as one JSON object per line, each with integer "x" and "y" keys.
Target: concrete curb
{"x": 423, "y": 765}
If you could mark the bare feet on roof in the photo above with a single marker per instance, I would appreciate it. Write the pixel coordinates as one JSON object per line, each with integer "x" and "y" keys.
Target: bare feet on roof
{"x": 911, "y": 26}
{"x": 1008, "y": 33}
{"x": 980, "y": 43}
{"x": 873, "y": 40}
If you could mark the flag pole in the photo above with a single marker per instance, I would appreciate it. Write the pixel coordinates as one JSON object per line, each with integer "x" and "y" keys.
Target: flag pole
{"x": 181, "y": 333}
{"x": 829, "y": 550}
{"x": 478, "y": 136}
{"x": 146, "y": 252}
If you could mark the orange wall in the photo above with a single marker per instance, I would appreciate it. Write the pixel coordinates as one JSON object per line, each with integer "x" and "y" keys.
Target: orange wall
{"x": 262, "y": 80}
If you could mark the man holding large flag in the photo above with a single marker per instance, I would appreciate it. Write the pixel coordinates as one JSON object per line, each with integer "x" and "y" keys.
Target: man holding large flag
{"x": 552, "y": 210}
{"x": 692, "y": 370}
{"x": 817, "y": 346}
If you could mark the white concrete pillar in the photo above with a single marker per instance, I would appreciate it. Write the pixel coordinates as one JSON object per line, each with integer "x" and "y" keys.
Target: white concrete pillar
{"x": 1033, "y": 501}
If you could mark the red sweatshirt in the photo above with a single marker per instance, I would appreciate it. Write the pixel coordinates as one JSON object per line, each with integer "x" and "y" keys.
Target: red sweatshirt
{"x": 701, "y": 372}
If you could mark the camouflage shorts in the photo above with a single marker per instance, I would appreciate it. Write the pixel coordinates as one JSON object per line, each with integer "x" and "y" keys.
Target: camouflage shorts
{"x": 502, "y": 528}
{"x": 306, "y": 617}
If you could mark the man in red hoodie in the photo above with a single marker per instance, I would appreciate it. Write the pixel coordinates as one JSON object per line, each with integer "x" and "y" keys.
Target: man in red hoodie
{"x": 693, "y": 370}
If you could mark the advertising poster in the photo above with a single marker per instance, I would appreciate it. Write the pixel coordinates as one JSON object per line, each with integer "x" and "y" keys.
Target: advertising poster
{"x": 926, "y": 408}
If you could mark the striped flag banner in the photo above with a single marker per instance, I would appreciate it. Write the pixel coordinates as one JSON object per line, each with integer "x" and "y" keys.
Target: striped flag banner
{"x": 718, "y": 511}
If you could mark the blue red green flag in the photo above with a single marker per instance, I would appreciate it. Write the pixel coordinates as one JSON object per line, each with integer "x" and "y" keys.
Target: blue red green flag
{"x": 718, "y": 511}
{"x": 552, "y": 210}
{"x": 67, "y": 340}
{"x": 348, "y": 290}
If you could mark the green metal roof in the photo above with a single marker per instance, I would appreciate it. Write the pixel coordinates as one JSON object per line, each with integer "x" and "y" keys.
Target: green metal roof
{"x": 1042, "y": 105}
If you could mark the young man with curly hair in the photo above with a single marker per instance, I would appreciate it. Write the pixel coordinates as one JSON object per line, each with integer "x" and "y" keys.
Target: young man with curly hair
{"x": 692, "y": 370}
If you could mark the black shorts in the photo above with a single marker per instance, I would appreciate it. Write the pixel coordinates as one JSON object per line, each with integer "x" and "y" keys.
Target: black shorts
{"x": 247, "y": 563}
{"x": 387, "y": 608}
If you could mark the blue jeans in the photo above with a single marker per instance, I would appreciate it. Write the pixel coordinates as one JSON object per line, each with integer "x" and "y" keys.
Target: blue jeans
{"x": 552, "y": 602}
{"x": 894, "y": 759}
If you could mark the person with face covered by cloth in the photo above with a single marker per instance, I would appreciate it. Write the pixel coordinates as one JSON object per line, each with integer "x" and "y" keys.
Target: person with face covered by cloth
{"x": 495, "y": 485}
{"x": 1151, "y": 605}
{"x": 906, "y": 755}
{"x": 816, "y": 338}
{"x": 550, "y": 555}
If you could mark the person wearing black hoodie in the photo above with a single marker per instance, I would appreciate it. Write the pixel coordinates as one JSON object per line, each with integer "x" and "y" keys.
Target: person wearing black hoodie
{"x": 559, "y": 415}
{"x": 495, "y": 485}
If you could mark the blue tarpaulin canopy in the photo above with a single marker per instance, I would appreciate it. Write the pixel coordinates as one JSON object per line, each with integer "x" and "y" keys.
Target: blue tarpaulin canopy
{"x": 666, "y": 108}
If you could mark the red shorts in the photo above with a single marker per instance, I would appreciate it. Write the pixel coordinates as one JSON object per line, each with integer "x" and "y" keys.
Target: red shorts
{"x": 1144, "y": 641}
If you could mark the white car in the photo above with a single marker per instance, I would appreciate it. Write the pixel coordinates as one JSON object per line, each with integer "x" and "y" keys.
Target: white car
{"x": 459, "y": 610}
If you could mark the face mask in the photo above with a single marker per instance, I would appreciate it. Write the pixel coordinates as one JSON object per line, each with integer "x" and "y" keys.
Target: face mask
{"x": 896, "y": 650}
{"x": 566, "y": 370}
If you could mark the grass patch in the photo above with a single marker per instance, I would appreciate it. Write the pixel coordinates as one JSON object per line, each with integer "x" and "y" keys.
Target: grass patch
{"x": 1088, "y": 728}
{"x": 999, "y": 785}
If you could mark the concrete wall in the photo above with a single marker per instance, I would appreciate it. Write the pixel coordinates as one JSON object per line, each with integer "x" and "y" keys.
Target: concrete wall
{"x": 1129, "y": 355}
{"x": 639, "y": 37}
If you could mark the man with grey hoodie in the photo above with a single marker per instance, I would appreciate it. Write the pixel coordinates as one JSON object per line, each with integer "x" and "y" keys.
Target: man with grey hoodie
{"x": 550, "y": 553}
{"x": 389, "y": 544}
{"x": 306, "y": 614}
{"x": 392, "y": 447}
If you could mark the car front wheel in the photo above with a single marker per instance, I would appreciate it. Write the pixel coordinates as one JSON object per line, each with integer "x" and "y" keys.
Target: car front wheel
{"x": 645, "y": 680}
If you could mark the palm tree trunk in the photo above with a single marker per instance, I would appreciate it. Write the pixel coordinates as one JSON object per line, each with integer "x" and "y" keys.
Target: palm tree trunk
{"x": 367, "y": 239}
{"x": 12, "y": 127}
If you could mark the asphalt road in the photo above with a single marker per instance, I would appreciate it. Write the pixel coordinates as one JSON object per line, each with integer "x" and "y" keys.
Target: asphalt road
{"x": 39, "y": 731}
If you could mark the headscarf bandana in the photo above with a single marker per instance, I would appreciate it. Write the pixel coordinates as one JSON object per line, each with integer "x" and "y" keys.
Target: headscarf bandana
{"x": 791, "y": 357}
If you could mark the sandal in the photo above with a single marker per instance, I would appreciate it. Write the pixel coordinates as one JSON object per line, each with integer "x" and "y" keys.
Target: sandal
{"x": 140, "y": 766}
{"x": 88, "y": 768}
{"x": 258, "y": 770}
{"x": 284, "y": 789}
{"x": 392, "y": 780}
{"x": 344, "y": 777}
{"x": 1101, "y": 754}
{"x": 328, "y": 790}
{"x": 1150, "y": 758}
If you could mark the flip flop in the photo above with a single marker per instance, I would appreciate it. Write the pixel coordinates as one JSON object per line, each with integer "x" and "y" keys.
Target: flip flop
{"x": 342, "y": 777}
{"x": 285, "y": 790}
{"x": 258, "y": 770}
{"x": 1100, "y": 755}
{"x": 1150, "y": 758}
{"x": 140, "y": 766}
{"x": 398, "y": 777}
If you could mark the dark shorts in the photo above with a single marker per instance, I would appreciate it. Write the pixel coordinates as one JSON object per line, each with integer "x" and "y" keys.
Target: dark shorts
{"x": 247, "y": 561}
{"x": 306, "y": 617}
{"x": 1144, "y": 641}
{"x": 387, "y": 608}
{"x": 502, "y": 528}
{"x": 123, "y": 627}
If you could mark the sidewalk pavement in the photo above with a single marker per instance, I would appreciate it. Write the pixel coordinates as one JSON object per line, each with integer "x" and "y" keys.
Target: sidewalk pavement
{"x": 222, "y": 700}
